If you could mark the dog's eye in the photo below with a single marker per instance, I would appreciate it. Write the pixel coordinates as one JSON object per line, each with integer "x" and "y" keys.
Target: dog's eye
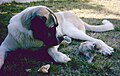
{"x": 44, "y": 18}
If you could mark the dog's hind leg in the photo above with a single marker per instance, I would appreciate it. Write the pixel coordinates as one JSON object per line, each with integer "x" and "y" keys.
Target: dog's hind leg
{"x": 58, "y": 56}
{"x": 75, "y": 33}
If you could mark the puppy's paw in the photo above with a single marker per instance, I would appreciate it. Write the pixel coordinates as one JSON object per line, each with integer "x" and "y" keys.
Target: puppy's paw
{"x": 60, "y": 57}
{"x": 104, "y": 48}
{"x": 98, "y": 46}
{"x": 106, "y": 51}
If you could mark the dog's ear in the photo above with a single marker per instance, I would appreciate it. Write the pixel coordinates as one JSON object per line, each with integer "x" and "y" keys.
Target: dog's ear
{"x": 52, "y": 19}
{"x": 27, "y": 16}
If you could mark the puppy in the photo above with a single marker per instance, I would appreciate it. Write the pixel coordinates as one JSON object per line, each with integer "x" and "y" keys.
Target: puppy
{"x": 22, "y": 34}
{"x": 89, "y": 49}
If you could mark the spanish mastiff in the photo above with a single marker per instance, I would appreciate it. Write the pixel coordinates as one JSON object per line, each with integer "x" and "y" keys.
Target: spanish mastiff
{"x": 38, "y": 26}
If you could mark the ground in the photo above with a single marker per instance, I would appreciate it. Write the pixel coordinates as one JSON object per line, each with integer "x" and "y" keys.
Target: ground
{"x": 92, "y": 12}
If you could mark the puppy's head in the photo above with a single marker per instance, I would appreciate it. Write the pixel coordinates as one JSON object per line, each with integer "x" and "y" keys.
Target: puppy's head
{"x": 89, "y": 50}
{"x": 38, "y": 11}
{"x": 43, "y": 23}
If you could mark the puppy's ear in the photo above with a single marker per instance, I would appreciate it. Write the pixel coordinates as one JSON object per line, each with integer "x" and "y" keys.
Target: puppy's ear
{"x": 50, "y": 21}
{"x": 44, "y": 18}
{"x": 27, "y": 16}
{"x": 52, "y": 18}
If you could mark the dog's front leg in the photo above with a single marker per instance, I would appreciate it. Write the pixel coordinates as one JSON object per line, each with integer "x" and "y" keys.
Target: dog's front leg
{"x": 58, "y": 56}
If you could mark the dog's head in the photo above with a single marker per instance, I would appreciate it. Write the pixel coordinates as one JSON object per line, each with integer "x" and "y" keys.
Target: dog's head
{"x": 43, "y": 23}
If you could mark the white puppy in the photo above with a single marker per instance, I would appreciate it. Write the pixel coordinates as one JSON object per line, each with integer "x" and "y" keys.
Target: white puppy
{"x": 20, "y": 35}
{"x": 90, "y": 49}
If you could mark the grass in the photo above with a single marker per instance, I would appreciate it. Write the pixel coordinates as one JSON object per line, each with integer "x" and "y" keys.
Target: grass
{"x": 92, "y": 12}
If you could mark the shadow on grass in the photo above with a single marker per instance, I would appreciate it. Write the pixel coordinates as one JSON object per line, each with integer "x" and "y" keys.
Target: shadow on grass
{"x": 18, "y": 61}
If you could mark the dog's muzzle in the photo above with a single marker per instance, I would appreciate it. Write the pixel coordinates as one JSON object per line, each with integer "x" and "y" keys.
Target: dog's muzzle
{"x": 44, "y": 33}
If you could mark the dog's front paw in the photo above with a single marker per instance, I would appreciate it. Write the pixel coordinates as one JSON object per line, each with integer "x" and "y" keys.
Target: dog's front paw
{"x": 106, "y": 51}
{"x": 104, "y": 48}
{"x": 60, "y": 57}
{"x": 98, "y": 46}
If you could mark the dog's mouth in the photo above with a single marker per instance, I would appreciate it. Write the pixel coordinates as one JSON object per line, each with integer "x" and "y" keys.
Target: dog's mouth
{"x": 52, "y": 39}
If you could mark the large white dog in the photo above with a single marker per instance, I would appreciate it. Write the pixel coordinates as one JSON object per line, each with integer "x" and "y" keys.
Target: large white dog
{"x": 20, "y": 34}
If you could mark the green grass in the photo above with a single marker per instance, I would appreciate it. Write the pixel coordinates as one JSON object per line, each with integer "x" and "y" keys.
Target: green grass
{"x": 92, "y": 12}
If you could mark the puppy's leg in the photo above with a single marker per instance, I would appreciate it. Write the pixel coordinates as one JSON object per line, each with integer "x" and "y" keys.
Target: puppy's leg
{"x": 58, "y": 56}
{"x": 75, "y": 33}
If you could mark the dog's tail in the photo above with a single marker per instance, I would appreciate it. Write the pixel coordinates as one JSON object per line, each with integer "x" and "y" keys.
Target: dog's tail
{"x": 107, "y": 25}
